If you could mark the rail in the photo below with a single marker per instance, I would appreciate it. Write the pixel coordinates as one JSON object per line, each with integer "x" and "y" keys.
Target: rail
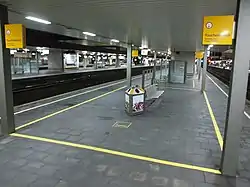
{"x": 224, "y": 75}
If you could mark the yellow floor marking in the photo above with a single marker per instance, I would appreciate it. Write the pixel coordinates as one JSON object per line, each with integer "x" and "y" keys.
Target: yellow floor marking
{"x": 68, "y": 108}
{"x": 216, "y": 127}
{"x": 118, "y": 153}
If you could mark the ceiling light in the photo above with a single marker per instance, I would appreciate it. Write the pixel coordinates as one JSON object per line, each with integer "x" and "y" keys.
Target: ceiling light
{"x": 133, "y": 45}
{"x": 89, "y": 33}
{"x": 38, "y": 20}
{"x": 140, "y": 47}
{"x": 114, "y": 40}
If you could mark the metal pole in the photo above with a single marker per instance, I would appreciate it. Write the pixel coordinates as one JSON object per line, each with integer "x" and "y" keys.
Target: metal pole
{"x": 129, "y": 65}
{"x": 204, "y": 70}
{"x": 237, "y": 94}
{"x": 7, "y": 125}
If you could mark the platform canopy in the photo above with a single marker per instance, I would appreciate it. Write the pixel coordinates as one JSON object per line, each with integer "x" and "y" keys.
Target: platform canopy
{"x": 158, "y": 24}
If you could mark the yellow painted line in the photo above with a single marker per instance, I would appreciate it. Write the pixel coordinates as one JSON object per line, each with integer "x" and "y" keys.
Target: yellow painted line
{"x": 118, "y": 153}
{"x": 68, "y": 108}
{"x": 216, "y": 127}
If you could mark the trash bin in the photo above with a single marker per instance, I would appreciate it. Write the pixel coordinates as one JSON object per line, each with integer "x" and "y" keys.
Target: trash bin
{"x": 135, "y": 100}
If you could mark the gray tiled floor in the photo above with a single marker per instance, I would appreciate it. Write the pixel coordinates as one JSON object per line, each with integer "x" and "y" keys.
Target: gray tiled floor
{"x": 176, "y": 128}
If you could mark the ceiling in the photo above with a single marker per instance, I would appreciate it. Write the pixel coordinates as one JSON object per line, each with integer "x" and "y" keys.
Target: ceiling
{"x": 160, "y": 24}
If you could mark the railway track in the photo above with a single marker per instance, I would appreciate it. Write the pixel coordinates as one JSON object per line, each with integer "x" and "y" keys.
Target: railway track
{"x": 225, "y": 76}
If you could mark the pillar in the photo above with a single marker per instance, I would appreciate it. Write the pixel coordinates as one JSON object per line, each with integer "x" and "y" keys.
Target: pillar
{"x": 7, "y": 125}
{"x": 96, "y": 60}
{"x": 199, "y": 68}
{"x": 117, "y": 61}
{"x": 129, "y": 65}
{"x": 154, "y": 69}
{"x": 204, "y": 71}
{"x": 56, "y": 61}
{"x": 77, "y": 60}
{"x": 237, "y": 94}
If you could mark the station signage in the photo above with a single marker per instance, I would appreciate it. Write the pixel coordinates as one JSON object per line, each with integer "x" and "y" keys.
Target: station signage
{"x": 15, "y": 36}
{"x": 218, "y": 30}
{"x": 199, "y": 54}
{"x": 135, "y": 53}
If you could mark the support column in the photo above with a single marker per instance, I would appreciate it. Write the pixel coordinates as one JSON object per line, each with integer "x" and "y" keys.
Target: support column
{"x": 204, "y": 71}
{"x": 96, "y": 60}
{"x": 7, "y": 124}
{"x": 237, "y": 94}
{"x": 154, "y": 70}
{"x": 117, "y": 64}
{"x": 56, "y": 61}
{"x": 129, "y": 65}
{"x": 199, "y": 69}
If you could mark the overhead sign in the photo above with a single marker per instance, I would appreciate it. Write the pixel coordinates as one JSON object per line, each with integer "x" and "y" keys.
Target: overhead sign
{"x": 135, "y": 53}
{"x": 199, "y": 54}
{"x": 218, "y": 30}
{"x": 15, "y": 36}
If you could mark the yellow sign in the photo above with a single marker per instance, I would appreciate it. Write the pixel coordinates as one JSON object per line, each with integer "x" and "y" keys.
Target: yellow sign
{"x": 199, "y": 54}
{"x": 135, "y": 53}
{"x": 218, "y": 30}
{"x": 15, "y": 36}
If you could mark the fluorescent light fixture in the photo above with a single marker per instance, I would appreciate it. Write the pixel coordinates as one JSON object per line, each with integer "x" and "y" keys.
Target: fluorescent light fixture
{"x": 89, "y": 33}
{"x": 114, "y": 40}
{"x": 140, "y": 47}
{"x": 38, "y": 20}
{"x": 133, "y": 45}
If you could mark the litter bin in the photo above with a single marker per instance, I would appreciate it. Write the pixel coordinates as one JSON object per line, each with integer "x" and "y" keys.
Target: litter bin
{"x": 134, "y": 100}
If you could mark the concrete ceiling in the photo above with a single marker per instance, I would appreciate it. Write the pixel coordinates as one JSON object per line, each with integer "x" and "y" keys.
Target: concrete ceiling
{"x": 159, "y": 23}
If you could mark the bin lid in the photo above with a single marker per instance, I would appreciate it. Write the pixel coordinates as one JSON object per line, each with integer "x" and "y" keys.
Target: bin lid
{"x": 134, "y": 90}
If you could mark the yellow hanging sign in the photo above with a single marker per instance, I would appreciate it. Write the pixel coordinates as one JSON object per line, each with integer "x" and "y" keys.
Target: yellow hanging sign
{"x": 15, "y": 36}
{"x": 199, "y": 54}
{"x": 135, "y": 53}
{"x": 218, "y": 30}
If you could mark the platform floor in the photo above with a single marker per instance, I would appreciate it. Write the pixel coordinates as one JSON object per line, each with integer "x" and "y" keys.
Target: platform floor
{"x": 74, "y": 142}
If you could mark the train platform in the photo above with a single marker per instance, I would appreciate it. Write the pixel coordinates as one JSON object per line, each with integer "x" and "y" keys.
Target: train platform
{"x": 85, "y": 138}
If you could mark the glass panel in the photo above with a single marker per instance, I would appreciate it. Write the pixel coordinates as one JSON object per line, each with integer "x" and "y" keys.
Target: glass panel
{"x": 177, "y": 72}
